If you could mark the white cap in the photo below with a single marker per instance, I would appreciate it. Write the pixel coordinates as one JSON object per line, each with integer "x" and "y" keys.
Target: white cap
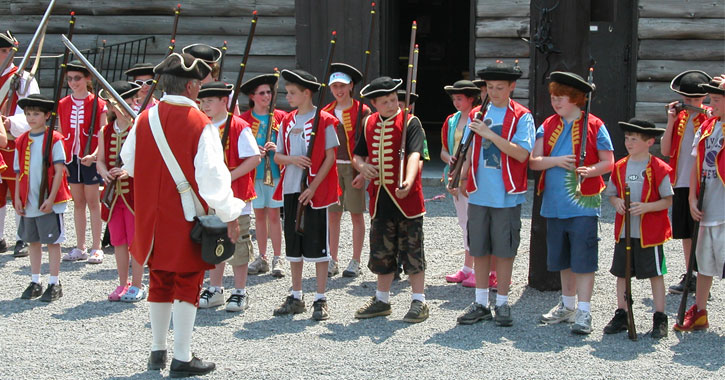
{"x": 340, "y": 77}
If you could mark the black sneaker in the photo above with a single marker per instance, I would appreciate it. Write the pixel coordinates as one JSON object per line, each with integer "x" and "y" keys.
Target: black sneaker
{"x": 320, "y": 311}
{"x": 194, "y": 367}
{"x": 3, "y": 246}
{"x": 373, "y": 308}
{"x": 618, "y": 322}
{"x": 157, "y": 360}
{"x": 659, "y": 325}
{"x": 34, "y": 290}
{"x": 417, "y": 313}
{"x": 21, "y": 249}
{"x": 291, "y": 305}
{"x": 52, "y": 293}
{"x": 106, "y": 241}
{"x": 473, "y": 313}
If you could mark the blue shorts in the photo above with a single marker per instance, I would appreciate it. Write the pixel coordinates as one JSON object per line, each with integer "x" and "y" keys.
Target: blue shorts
{"x": 79, "y": 173}
{"x": 572, "y": 243}
{"x": 264, "y": 195}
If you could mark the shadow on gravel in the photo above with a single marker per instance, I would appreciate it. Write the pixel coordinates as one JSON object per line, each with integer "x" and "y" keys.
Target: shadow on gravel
{"x": 17, "y": 306}
{"x": 139, "y": 376}
{"x": 4, "y": 259}
{"x": 702, "y": 349}
{"x": 65, "y": 266}
{"x": 618, "y": 347}
{"x": 367, "y": 288}
{"x": 449, "y": 296}
{"x": 377, "y": 329}
{"x": 93, "y": 309}
{"x": 263, "y": 329}
{"x": 213, "y": 317}
{"x": 101, "y": 275}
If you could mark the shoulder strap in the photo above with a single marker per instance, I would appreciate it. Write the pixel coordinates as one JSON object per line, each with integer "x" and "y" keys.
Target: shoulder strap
{"x": 189, "y": 201}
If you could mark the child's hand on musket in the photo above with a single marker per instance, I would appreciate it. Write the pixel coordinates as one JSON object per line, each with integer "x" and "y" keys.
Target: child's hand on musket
{"x": 47, "y": 206}
{"x": 618, "y": 204}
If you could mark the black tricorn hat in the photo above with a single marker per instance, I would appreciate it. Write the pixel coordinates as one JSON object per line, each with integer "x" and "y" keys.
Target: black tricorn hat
{"x": 644, "y": 127}
{"x": 401, "y": 96}
{"x": 479, "y": 83}
{"x": 208, "y": 53}
{"x": 7, "y": 40}
{"x": 183, "y": 65}
{"x": 572, "y": 80}
{"x": 302, "y": 78}
{"x": 346, "y": 69}
{"x": 141, "y": 68}
{"x": 123, "y": 88}
{"x": 500, "y": 71}
{"x": 249, "y": 86}
{"x": 465, "y": 87}
{"x": 218, "y": 89}
{"x": 713, "y": 88}
{"x": 76, "y": 65}
{"x": 37, "y": 100}
{"x": 687, "y": 83}
{"x": 380, "y": 86}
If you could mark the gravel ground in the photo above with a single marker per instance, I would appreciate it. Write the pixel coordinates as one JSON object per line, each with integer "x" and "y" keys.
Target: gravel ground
{"x": 83, "y": 336}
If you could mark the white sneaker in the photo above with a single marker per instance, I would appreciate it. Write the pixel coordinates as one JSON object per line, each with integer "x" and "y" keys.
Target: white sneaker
{"x": 582, "y": 323}
{"x": 332, "y": 268}
{"x": 258, "y": 266}
{"x": 277, "y": 266}
{"x": 237, "y": 302}
{"x": 211, "y": 299}
{"x": 353, "y": 269}
{"x": 558, "y": 314}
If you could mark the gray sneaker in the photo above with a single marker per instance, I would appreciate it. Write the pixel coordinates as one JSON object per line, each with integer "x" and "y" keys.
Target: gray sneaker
{"x": 353, "y": 269}
{"x": 373, "y": 308}
{"x": 332, "y": 268}
{"x": 473, "y": 313}
{"x": 582, "y": 323}
{"x": 417, "y": 313}
{"x": 277, "y": 269}
{"x": 558, "y": 314}
{"x": 211, "y": 299}
{"x": 320, "y": 311}
{"x": 503, "y": 315}
{"x": 258, "y": 266}
{"x": 237, "y": 302}
{"x": 290, "y": 305}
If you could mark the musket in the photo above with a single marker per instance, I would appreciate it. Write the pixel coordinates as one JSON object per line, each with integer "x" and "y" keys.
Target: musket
{"x": 94, "y": 111}
{"x": 414, "y": 85}
{"x": 692, "y": 261}
{"x": 221, "y": 60}
{"x": 584, "y": 129}
{"x": 235, "y": 94}
{"x": 454, "y": 172}
{"x": 47, "y": 150}
{"x": 358, "y": 127}
{"x": 172, "y": 45}
{"x": 6, "y": 108}
{"x": 631, "y": 330}
{"x": 682, "y": 106}
{"x": 408, "y": 87}
{"x": 268, "y": 180}
{"x": 299, "y": 218}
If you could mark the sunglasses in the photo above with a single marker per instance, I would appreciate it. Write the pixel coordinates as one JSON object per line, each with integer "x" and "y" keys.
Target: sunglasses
{"x": 74, "y": 78}
{"x": 147, "y": 82}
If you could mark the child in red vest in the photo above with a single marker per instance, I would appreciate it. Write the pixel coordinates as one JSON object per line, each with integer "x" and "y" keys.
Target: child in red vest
{"x": 142, "y": 74}
{"x": 119, "y": 217}
{"x": 676, "y": 144}
{"x": 322, "y": 188}
{"x": 241, "y": 156}
{"x": 40, "y": 223}
{"x": 651, "y": 194}
{"x": 709, "y": 153}
{"x": 396, "y": 212}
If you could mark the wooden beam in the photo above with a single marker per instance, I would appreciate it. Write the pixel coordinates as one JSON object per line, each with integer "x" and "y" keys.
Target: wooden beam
{"x": 501, "y": 47}
{"x": 656, "y": 92}
{"x": 665, "y": 70}
{"x": 693, "y": 9}
{"x": 513, "y": 27}
{"x": 686, "y": 50}
{"x": 681, "y": 29}
{"x": 497, "y": 8}
{"x": 653, "y": 111}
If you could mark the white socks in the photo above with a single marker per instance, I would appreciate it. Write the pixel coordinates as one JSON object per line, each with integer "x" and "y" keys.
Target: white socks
{"x": 297, "y": 294}
{"x": 35, "y": 278}
{"x": 382, "y": 296}
{"x": 482, "y": 297}
{"x": 584, "y": 306}
{"x": 466, "y": 269}
{"x": 215, "y": 289}
{"x": 319, "y": 296}
{"x": 160, "y": 314}
{"x": 184, "y": 316}
{"x": 52, "y": 280}
{"x": 241, "y": 292}
{"x": 419, "y": 297}
{"x": 501, "y": 300}
{"x": 569, "y": 301}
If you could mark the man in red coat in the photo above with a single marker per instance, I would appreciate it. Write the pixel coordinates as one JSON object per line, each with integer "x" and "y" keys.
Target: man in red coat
{"x": 176, "y": 270}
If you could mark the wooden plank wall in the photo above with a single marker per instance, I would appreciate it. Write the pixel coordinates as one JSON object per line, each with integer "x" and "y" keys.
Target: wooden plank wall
{"x": 674, "y": 36}
{"x": 500, "y": 28}
{"x": 202, "y": 21}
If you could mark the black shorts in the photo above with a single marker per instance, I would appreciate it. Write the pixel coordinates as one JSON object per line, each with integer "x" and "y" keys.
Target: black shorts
{"x": 79, "y": 173}
{"x": 313, "y": 245}
{"x": 682, "y": 223}
{"x": 646, "y": 262}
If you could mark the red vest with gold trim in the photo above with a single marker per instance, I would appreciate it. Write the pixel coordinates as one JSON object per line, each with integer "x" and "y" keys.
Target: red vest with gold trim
{"x": 553, "y": 126}
{"x": 123, "y": 191}
{"x": 248, "y": 116}
{"x": 514, "y": 173}
{"x": 243, "y": 187}
{"x": 658, "y": 229}
{"x": 65, "y": 107}
{"x": 7, "y": 153}
{"x": 162, "y": 233}
{"x": 707, "y": 129}
{"x": 677, "y": 136}
{"x": 22, "y": 145}
{"x": 349, "y": 117}
{"x": 329, "y": 190}
{"x": 383, "y": 141}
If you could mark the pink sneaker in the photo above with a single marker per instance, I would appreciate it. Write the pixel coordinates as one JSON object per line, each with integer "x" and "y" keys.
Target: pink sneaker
{"x": 116, "y": 295}
{"x": 492, "y": 281}
{"x": 460, "y": 276}
{"x": 470, "y": 281}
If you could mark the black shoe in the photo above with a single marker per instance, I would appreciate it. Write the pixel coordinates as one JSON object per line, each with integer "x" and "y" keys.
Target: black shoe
{"x": 3, "y": 246}
{"x": 195, "y": 367}
{"x": 106, "y": 242}
{"x": 659, "y": 325}
{"x": 34, "y": 290}
{"x": 618, "y": 322}
{"x": 320, "y": 310}
{"x": 21, "y": 249}
{"x": 52, "y": 293}
{"x": 157, "y": 360}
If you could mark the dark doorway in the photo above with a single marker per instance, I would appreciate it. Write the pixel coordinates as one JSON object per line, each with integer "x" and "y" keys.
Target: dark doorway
{"x": 443, "y": 36}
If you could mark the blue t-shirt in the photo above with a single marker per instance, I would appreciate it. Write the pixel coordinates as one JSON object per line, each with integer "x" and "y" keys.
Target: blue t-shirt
{"x": 261, "y": 138}
{"x": 491, "y": 189}
{"x": 560, "y": 199}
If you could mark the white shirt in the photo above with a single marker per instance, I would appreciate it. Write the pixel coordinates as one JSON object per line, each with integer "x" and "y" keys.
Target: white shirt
{"x": 18, "y": 124}
{"x": 210, "y": 172}
{"x": 247, "y": 147}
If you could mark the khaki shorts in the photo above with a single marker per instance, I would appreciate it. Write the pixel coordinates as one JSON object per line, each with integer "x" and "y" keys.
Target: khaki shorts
{"x": 243, "y": 249}
{"x": 352, "y": 199}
